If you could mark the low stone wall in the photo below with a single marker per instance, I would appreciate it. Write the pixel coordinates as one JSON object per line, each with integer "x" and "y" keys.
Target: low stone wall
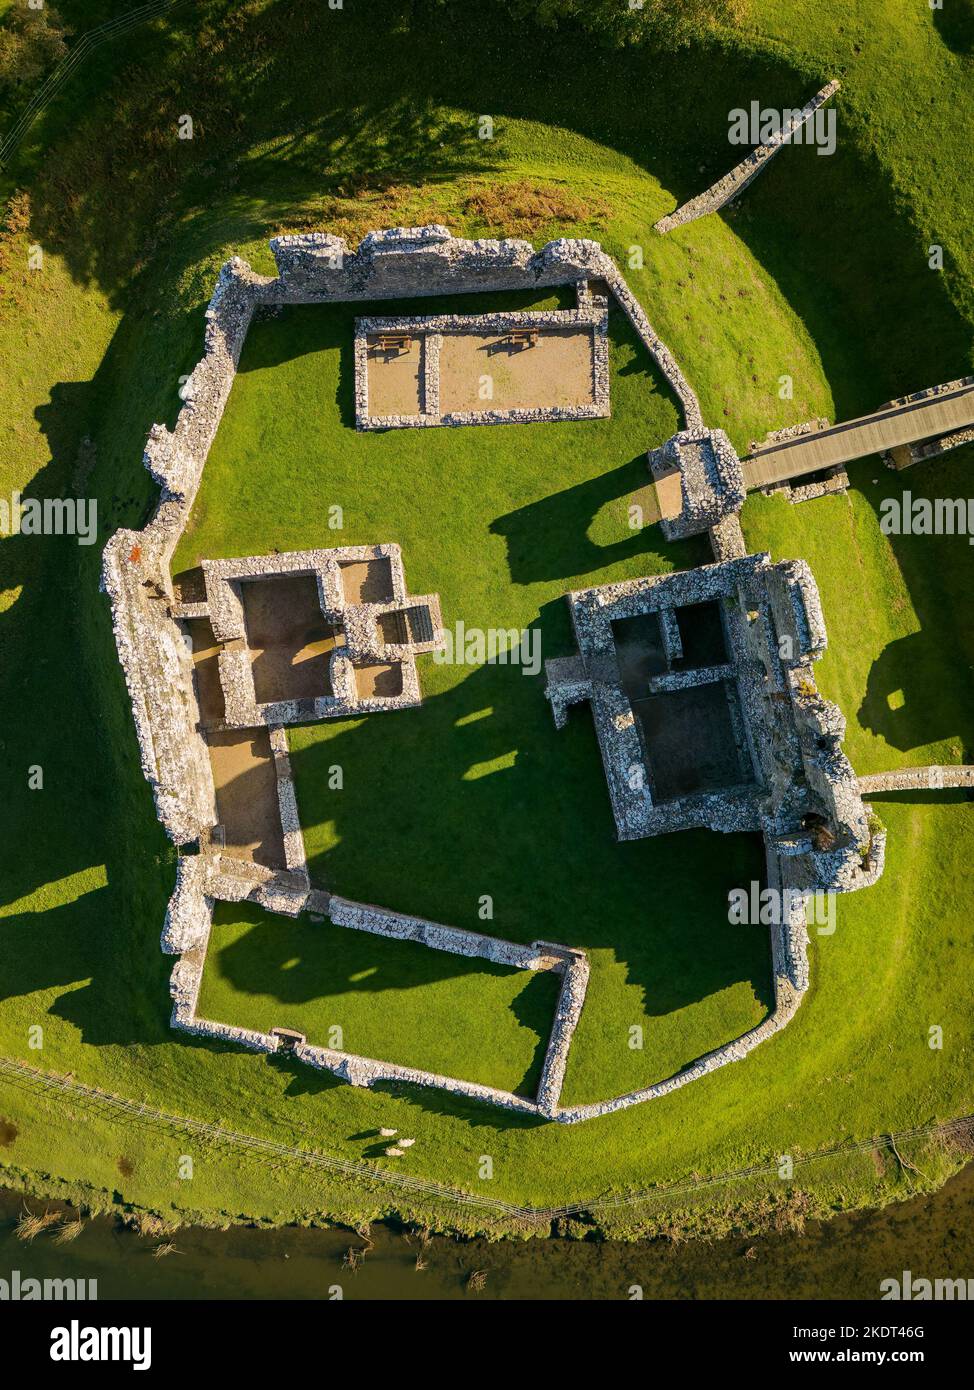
{"x": 366, "y": 1071}
{"x": 935, "y": 778}
{"x": 540, "y": 955}
{"x": 836, "y": 481}
{"x": 379, "y": 920}
{"x": 200, "y": 884}
{"x": 294, "y": 855}
{"x": 728, "y": 187}
{"x": 798, "y": 431}
{"x": 660, "y": 353}
{"x": 571, "y": 997}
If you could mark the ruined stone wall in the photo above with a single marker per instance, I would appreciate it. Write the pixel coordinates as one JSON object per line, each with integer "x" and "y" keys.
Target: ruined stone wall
{"x": 789, "y": 734}
{"x": 155, "y": 656}
{"x": 433, "y": 328}
{"x": 711, "y": 480}
{"x": 934, "y": 778}
{"x": 728, "y": 187}
{"x": 367, "y": 917}
{"x": 186, "y": 933}
{"x": 421, "y": 261}
{"x": 571, "y": 997}
{"x": 152, "y": 644}
{"x": 313, "y": 268}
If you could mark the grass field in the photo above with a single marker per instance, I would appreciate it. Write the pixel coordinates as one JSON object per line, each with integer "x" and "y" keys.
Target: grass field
{"x": 453, "y": 795}
{"x": 821, "y": 274}
{"x": 393, "y": 1000}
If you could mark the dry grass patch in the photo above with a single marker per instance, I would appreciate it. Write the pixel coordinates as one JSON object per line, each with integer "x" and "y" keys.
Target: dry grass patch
{"x": 520, "y": 208}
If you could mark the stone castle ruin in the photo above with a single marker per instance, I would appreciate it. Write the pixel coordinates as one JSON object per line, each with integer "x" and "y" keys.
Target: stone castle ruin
{"x": 700, "y": 683}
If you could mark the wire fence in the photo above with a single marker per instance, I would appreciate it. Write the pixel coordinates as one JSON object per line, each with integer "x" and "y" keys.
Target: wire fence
{"x": 86, "y": 45}
{"x": 33, "y": 1078}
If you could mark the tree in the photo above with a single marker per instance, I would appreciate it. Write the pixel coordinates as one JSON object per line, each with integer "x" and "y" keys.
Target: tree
{"x": 31, "y": 42}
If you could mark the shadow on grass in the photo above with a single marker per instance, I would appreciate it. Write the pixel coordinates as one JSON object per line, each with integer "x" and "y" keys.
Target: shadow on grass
{"x": 67, "y": 713}
{"x": 305, "y": 975}
{"x": 286, "y": 123}
{"x": 924, "y": 797}
{"x": 900, "y": 705}
{"x": 920, "y": 690}
{"x": 549, "y": 539}
{"x": 476, "y": 794}
{"x": 283, "y": 334}
{"x": 954, "y": 22}
{"x": 306, "y": 1081}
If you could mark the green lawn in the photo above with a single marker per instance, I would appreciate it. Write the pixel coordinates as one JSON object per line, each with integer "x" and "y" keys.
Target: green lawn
{"x": 821, "y": 275}
{"x": 904, "y": 675}
{"x": 476, "y": 792}
{"x": 396, "y": 1001}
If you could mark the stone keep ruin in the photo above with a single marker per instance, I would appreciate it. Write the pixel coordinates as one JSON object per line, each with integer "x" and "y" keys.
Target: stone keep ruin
{"x": 700, "y": 683}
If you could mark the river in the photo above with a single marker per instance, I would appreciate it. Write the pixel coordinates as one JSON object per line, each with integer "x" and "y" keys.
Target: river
{"x": 933, "y": 1236}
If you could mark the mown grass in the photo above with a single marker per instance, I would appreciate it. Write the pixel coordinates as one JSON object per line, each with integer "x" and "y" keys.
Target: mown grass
{"x": 396, "y": 1001}
{"x": 822, "y": 275}
{"x": 476, "y": 793}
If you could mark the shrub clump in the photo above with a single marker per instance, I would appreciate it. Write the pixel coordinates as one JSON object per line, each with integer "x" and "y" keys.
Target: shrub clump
{"x": 31, "y": 42}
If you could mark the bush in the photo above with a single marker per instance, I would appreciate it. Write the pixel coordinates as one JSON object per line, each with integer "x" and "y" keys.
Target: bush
{"x": 31, "y": 42}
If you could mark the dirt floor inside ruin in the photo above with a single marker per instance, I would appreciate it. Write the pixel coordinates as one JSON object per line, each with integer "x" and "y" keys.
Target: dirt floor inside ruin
{"x": 246, "y": 795}
{"x": 396, "y": 379}
{"x": 384, "y": 681}
{"x": 206, "y": 654}
{"x": 557, "y": 371}
{"x": 367, "y": 581}
{"x": 289, "y": 639}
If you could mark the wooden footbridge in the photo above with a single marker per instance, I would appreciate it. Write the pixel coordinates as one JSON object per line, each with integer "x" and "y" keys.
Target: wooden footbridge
{"x": 929, "y": 415}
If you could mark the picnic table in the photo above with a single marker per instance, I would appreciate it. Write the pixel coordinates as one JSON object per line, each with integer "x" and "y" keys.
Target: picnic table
{"x": 394, "y": 342}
